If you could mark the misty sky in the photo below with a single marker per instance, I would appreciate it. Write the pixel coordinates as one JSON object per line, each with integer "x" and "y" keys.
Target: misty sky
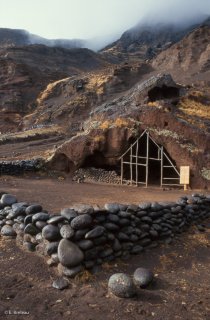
{"x": 92, "y": 18}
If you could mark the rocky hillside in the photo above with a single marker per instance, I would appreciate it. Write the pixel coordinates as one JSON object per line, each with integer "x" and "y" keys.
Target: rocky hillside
{"x": 68, "y": 102}
{"x": 146, "y": 40}
{"x": 93, "y": 110}
{"x": 170, "y": 113}
{"x": 189, "y": 59}
{"x": 26, "y": 71}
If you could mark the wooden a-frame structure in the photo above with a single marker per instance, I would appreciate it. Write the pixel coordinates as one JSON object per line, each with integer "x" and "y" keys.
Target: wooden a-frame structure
{"x": 138, "y": 157}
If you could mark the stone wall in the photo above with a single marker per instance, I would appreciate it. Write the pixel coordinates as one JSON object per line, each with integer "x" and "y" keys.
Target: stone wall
{"x": 83, "y": 237}
{"x": 19, "y": 166}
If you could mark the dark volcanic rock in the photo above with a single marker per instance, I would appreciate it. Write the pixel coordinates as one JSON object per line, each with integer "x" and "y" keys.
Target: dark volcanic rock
{"x": 52, "y": 247}
{"x": 60, "y": 283}
{"x": 143, "y": 277}
{"x": 40, "y": 216}
{"x": 68, "y": 214}
{"x": 8, "y": 231}
{"x": 31, "y": 229}
{"x": 69, "y": 253}
{"x": 34, "y": 208}
{"x": 51, "y": 233}
{"x": 69, "y": 272}
{"x": 112, "y": 207}
{"x": 67, "y": 232}
{"x": 81, "y": 222}
{"x": 40, "y": 224}
{"x": 8, "y": 199}
{"x": 121, "y": 285}
{"x": 85, "y": 244}
{"x": 55, "y": 219}
{"x": 96, "y": 232}
{"x": 83, "y": 209}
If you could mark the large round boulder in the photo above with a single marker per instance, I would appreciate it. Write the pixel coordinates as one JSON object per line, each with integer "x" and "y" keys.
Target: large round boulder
{"x": 143, "y": 277}
{"x": 121, "y": 285}
{"x": 8, "y": 231}
{"x": 8, "y": 199}
{"x": 69, "y": 253}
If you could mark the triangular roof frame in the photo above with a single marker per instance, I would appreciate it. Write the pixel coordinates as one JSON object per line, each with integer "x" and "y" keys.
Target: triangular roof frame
{"x": 162, "y": 156}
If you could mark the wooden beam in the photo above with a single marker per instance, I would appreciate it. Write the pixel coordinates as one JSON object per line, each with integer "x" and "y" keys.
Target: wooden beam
{"x": 131, "y": 165}
{"x": 147, "y": 160}
{"x": 137, "y": 152}
{"x": 161, "y": 168}
{"x": 121, "y": 170}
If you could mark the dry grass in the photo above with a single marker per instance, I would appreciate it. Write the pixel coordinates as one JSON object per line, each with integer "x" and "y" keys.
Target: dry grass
{"x": 200, "y": 239}
{"x": 153, "y": 104}
{"x": 120, "y": 122}
{"x": 36, "y": 132}
{"x": 97, "y": 83}
{"x": 49, "y": 90}
{"x": 99, "y": 138}
{"x": 84, "y": 277}
{"x": 195, "y": 108}
{"x": 105, "y": 125}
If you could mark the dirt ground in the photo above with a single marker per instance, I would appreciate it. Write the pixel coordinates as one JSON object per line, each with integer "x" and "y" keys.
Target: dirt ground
{"x": 181, "y": 289}
{"x": 54, "y": 194}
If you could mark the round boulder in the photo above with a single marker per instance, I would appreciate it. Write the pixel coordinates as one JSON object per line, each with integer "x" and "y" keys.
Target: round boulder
{"x": 69, "y": 253}
{"x": 66, "y": 231}
{"x": 68, "y": 214}
{"x": 8, "y": 199}
{"x": 60, "y": 283}
{"x": 8, "y": 231}
{"x": 69, "y": 272}
{"x": 34, "y": 208}
{"x": 31, "y": 229}
{"x": 51, "y": 232}
{"x": 143, "y": 277}
{"x": 40, "y": 216}
{"x": 81, "y": 222}
{"x": 121, "y": 285}
{"x": 112, "y": 207}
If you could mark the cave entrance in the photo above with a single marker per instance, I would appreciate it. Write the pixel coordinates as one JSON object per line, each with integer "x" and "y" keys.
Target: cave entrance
{"x": 147, "y": 163}
{"x": 164, "y": 92}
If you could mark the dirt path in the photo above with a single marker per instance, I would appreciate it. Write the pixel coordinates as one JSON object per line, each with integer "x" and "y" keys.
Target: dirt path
{"x": 54, "y": 194}
{"x": 181, "y": 290}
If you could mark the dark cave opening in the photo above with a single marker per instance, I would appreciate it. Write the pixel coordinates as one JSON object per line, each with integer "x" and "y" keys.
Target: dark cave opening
{"x": 62, "y": 163}
{"x": 98, "y": 161}
{"x": 164, "y": 92}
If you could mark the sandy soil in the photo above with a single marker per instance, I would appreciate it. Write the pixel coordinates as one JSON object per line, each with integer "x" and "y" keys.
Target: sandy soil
{"x": 182, "y": 286}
